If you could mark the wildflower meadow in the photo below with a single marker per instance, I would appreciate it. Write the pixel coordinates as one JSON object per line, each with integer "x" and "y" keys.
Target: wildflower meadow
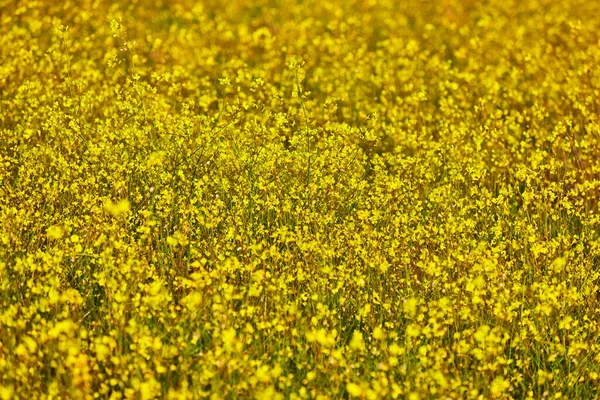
{"x": 299, "y": 199}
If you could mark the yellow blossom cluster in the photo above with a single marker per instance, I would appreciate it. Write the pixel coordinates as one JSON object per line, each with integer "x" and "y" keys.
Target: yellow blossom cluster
{"x": 284, "y": 199}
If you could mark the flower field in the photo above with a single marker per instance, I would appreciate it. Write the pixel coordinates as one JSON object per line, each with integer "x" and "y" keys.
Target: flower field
{"x": 285, "y": 199}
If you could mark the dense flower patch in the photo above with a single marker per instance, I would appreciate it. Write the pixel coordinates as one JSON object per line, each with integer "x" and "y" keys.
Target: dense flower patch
{"x": 299, "y": 199}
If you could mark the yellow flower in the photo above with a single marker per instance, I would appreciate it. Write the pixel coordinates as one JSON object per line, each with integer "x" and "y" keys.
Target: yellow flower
{"x": 54, "y": 232}
{"x": 156, "y": 158}
{"x": 357, "y": 342}
{"x": 354, "y": 390}
{"x": 116, "y": 209}
{"x": 378, "y": 333}
{"x": 499, "y": 386}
